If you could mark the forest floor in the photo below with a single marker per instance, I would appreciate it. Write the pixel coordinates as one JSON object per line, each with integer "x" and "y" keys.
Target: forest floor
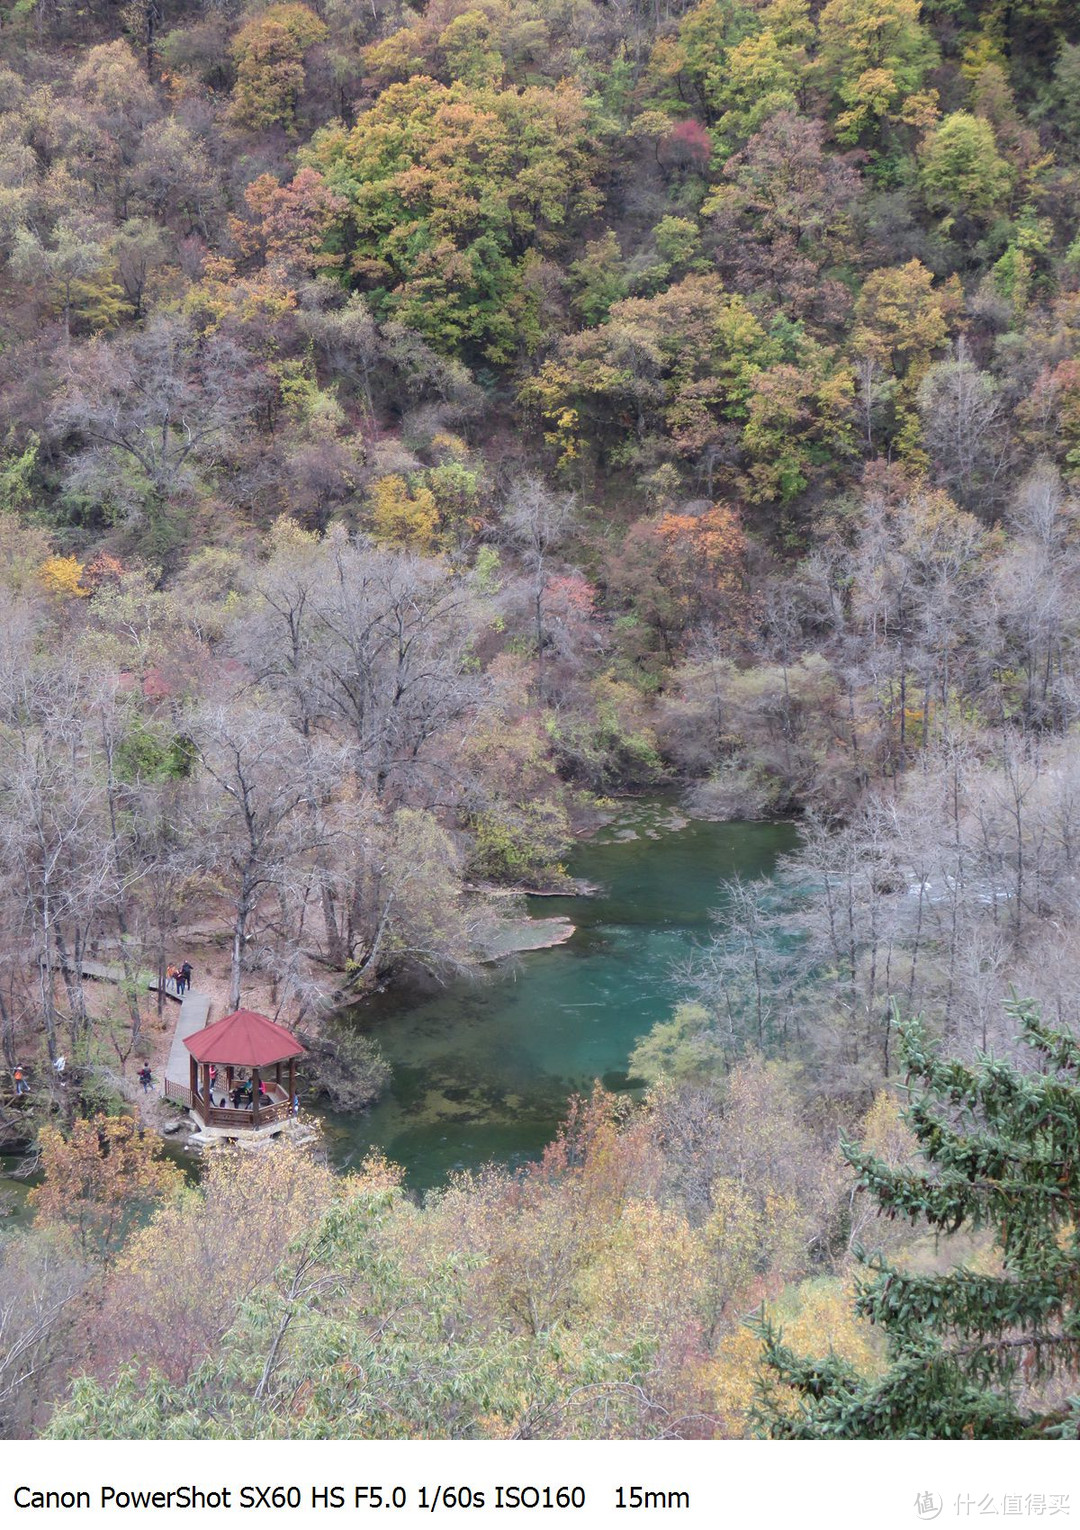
{"x": 210, "y": 961}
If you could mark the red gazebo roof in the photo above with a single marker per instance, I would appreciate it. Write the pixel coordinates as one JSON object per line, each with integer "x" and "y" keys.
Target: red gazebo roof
{"x": 245, "y": 1040}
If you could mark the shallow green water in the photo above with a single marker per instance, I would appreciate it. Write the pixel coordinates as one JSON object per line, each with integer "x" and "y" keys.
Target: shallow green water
{"x": 14, "y": 1211}
{"x": 482, "y": 1070}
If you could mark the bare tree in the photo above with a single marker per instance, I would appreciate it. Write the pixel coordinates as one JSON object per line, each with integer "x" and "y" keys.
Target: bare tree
{"x": 396, "y": 669}
{"x": 965, "y": 427}
{"x": 149, "y": 409}
{"x": 254, "y": 787}
{"x": 52, "y": 829}
{"x": 38, "y": 1282}
{"x": 1030, "y": 621}
{"x": 537, "y": 521}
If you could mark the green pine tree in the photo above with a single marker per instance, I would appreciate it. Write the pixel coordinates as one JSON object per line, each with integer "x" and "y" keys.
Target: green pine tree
{"x": 969, "y": 1355}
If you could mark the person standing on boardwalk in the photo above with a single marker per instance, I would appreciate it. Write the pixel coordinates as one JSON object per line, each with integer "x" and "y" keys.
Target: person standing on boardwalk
{"x": 185, "y": 978}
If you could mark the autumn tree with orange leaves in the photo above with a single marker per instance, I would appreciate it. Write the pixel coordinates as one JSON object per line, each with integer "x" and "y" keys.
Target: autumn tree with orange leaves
{"x": 290, "y": 224}
{"x": 683, "y": 570}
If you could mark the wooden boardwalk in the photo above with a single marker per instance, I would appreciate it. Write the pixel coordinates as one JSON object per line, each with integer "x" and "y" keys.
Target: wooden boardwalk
{"x": 111, "y": 974}
{"x": 194, "y": 1010}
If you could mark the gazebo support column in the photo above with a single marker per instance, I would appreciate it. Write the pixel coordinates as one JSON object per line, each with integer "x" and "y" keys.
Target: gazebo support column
{"x": 194, "y": 1081}
{"x": 256, "y": 1086}
{"x": 292, "y": 1081}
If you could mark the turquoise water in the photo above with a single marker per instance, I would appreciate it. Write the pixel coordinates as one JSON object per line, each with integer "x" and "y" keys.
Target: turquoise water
{"x": 483, "y": 1069}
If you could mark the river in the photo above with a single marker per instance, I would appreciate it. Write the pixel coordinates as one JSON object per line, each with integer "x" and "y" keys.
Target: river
{"x": 483, "y": 1068}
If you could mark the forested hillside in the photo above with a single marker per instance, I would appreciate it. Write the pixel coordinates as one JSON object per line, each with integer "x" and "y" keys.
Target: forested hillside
{"x": 418, "y": 427}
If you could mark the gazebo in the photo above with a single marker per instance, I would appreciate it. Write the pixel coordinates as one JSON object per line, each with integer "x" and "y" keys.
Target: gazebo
{"x": 242, "y": 1048}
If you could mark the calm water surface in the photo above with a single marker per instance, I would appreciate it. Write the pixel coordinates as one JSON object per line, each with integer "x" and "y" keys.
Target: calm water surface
{"x": 483, "y": 1069}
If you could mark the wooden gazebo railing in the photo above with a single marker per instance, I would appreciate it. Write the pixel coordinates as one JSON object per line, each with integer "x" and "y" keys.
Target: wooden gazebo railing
{"x": 226, "y": 1115}
{"x": 243, "y": 1119}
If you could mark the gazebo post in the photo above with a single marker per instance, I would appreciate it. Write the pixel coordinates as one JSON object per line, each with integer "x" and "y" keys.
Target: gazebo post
{"x": 292, "y": 1081}
{"x": 256, "y": 1084}
{"x": 194, "y": 1079}
{"x": 206, "y": 1089}
{"x": 277, "y": 1074}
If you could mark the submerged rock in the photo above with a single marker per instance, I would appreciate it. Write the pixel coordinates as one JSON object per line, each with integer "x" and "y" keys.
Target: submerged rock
{"x": 519, "y": 935}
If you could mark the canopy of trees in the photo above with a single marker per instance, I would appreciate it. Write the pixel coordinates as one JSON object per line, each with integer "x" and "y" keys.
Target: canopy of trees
{"x": 415, "y": 426}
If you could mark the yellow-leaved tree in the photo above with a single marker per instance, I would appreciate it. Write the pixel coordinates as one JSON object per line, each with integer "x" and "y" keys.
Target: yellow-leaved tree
{"x": 269, "y": 52}
{"x": 403, "y": 515}
{"x": 816, "y": 1316}
{"x": 187, "y": 1271}
{"x": 100, "y": 1180}
{"x": 61, "y": 577}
